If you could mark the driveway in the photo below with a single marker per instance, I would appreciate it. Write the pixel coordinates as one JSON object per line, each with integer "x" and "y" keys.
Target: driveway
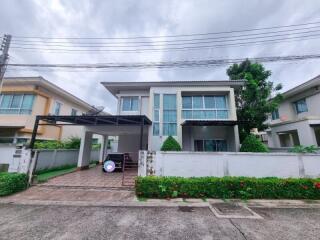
{"x": 70, "y": 222}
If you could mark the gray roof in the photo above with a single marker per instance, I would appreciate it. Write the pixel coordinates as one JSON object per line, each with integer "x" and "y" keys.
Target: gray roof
{"x": 314, "y": 82}
{"x": 114, "y": 87}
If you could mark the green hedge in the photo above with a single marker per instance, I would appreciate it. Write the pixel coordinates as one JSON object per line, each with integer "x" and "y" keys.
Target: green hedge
{"x": 252, "y": 144}
{"x": 12, "y": 182}
{"x": 228, "y": 187}
{"x": 170, "y": 144}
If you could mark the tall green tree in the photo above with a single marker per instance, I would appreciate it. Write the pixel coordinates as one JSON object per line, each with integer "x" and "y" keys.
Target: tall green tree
{"x": 254, "y": 101}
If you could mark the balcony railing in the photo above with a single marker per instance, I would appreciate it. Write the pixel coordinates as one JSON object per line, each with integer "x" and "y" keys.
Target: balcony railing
{"x": 205, "y": 114}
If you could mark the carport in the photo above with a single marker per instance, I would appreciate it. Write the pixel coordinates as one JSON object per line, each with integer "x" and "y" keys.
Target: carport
{"x": 131, "y": 129}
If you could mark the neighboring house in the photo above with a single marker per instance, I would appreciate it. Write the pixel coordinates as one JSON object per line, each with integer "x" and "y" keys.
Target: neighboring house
{"x": 297, "y": 119}
{"x": 200, "y": 115}
{"x": 22, "y": 98}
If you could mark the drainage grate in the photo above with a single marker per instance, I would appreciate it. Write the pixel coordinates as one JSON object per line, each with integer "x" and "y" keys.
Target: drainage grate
{"x": 233, "y": 210}
{"x": 186, "y": 209}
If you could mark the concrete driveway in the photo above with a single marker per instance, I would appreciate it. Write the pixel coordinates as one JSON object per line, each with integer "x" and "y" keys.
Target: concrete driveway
{"x": 71, "y": 222}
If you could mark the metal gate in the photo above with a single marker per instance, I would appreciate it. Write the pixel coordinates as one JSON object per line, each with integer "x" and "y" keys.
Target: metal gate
{"x": 129, "y": 172}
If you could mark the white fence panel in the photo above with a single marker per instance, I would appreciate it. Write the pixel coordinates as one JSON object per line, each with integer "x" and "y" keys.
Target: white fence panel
{"x": 201, "y": 164}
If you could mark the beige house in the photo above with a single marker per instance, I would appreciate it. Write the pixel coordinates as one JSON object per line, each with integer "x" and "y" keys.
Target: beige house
{"x": 22, "y": 98}
{"x": 297, "y": 120}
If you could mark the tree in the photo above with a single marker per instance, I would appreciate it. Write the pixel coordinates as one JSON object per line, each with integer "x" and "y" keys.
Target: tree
{"x": 252, "y": 144}
{"x": 254, "y": 101}
{"x": 170, "y": 144}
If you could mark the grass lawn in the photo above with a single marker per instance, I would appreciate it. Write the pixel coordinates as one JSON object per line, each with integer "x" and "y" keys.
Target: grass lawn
{"x": 44, "y": 176}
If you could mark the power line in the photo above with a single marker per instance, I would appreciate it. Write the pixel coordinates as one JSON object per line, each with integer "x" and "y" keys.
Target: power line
{"x": 168, "y": 44}
{"x": 305, "y": 37}
{"x": 44, "y": 42}
{"x": 172, "y": 36}
{"x": 172, "y": 64}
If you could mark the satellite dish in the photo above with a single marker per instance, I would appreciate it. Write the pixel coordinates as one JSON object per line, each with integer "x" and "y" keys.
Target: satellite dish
{"x": 94, "y": 111}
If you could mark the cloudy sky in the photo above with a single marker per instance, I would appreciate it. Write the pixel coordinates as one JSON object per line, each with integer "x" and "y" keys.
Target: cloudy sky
{"x": 132, "y": 18}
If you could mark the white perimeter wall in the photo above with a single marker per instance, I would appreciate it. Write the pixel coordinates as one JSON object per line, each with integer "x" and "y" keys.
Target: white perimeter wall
{"x": 196, "y": 164}
{"x": 6, "y": 153}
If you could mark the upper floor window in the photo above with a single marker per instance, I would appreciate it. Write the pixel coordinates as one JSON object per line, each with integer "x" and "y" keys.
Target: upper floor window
{"x": 275, "y": 114}
{"x": 204, "y": 107}
{"x": 169, "y": 115}
{"x": 74, "y": 112}
{"x": 301, "y": 106}
{"x": 130, "y": 103}
{"x": 57, "y": 108}
{"x": 156, "y": 115}
{"x": 16, "y": 103}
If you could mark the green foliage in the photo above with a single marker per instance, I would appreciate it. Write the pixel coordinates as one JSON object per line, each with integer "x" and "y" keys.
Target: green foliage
{"x": 227, "y": 187}
{"x": 170, "y": 144}
{"x": 252, "y": 144}
{"x": 71, "y": 143}
{"x": 304, "y": 149}
{"x": 253, "y": 101}
{"x": 12, "y": 182}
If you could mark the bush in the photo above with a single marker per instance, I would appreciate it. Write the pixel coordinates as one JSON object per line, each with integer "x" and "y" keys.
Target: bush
{"x": 253, "y": 144}
{"x": 227, "y": 187}
{"x": 12, "y": 182}
{"x": 170, "y": 144}
{"x": 304, "y": 149}
{"x": 71, "y": 143}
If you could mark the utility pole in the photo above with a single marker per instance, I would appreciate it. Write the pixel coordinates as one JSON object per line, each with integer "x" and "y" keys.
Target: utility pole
{"x": 4, "y": 57}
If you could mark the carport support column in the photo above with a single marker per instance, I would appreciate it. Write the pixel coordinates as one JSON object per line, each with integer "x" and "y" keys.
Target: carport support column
{"x": 103, "y": 149}
{"x": 85, "y": 150}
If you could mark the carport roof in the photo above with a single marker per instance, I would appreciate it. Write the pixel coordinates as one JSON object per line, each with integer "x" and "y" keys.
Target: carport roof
{"x": 85, "y": 120}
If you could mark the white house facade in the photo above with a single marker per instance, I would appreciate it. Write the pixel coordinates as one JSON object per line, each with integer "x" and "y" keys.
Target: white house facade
{"x": 200, "y": 115}
{"x": 297, "y": 119}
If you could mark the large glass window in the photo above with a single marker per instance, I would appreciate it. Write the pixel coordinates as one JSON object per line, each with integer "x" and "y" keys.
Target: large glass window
{"x": 130, "y": 103}
{"x": 210, "y": 145}
{"x": 169, "y": 115}
{"x": 156, "y": 114}
{"x": 74, "y": 112}
{"x": 301, "y": 106}
{"x": 205, "y": 107}
{"x": 16, "y": 103}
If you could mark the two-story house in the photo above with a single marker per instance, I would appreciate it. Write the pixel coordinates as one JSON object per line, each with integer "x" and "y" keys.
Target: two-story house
{"x": 297, "y": 119}
{"x": 22, "y": 98}
{"x": 201, "y": 115}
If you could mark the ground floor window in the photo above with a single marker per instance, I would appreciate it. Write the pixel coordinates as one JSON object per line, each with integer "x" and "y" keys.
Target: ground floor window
{"x": 210, "y": 145}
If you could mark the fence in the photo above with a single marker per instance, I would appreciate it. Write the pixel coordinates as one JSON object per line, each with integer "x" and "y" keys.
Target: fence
{"x": 60, "y": 157}
{"x": 200, "y": 164}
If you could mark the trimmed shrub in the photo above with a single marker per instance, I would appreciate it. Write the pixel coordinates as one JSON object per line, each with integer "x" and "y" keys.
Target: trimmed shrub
{"x": 253, "y": 144}
{"x": 170, "y": 144}
{"x": 228, "y": 187}
{"x": 12, "y": 182}
{"x": 304, "y": 149}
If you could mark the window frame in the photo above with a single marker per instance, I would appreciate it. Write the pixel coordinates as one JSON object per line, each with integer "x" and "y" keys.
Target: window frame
{"x": 215, "y": 110}
{"x": 75, "y": 111}
{"x": 57, "y": 103}
{"x": 156, "y": 109}
{"x": 296, "y": 105}
{"x": 131, "y": 100}
{"x": 16, "y": 110}
{"x": 275, "y": 114}
{"x": 215, "y": 144}
{"x": 164, "y": 123}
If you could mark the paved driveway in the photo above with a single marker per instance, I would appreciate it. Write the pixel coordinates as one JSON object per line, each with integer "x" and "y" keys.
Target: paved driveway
{"x": 68, "y": 222}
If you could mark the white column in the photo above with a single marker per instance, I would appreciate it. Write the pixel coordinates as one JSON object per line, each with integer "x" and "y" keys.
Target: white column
{"x": 103, "y": 149}
{"x": 85, "y": 150}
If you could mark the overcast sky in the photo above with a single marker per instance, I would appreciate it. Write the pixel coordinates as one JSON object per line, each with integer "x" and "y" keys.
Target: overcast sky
{"x": 131, "y": 18}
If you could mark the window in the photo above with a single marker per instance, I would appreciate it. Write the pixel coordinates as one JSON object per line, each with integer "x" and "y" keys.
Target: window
{"x": 57, "y": 107}
{"x": 275, "y": 114}
{"x": 130, "y": 103}
{"x": 169, "y": 115}
{"x": 210, "y": 145}
{"x": 156, "y": 114}
{"x": 74, "y": 112}
{"x": 204, "y": 107}
{"x": 16, "y": 103}
{"x": 301, "y": 106}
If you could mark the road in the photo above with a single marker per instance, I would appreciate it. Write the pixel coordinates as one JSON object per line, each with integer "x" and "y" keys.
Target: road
{"x": 72, "y": 222}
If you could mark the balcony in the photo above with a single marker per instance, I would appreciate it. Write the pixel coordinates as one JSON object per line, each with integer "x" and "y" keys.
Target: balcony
{"x": 205, "y": 114}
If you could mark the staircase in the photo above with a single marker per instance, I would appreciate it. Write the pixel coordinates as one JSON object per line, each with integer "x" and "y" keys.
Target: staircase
{"x": 129, "y": 172}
